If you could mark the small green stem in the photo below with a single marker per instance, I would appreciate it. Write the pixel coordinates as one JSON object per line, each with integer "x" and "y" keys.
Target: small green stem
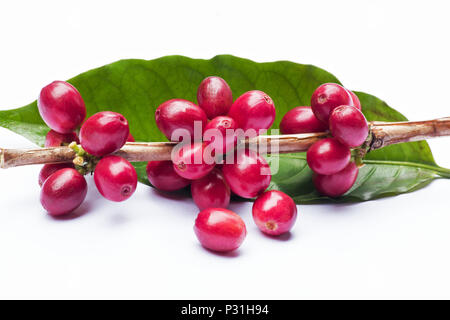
{"x": 77, "y": 148}
{"x": 84, "y": 162}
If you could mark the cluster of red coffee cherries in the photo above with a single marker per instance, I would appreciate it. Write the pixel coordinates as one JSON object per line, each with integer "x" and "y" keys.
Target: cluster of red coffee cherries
{"x": 338, "y": 110}
{"x": 63, "y": 186}
{"x": 207, "y": 158}
{"x": 212, "y": 181}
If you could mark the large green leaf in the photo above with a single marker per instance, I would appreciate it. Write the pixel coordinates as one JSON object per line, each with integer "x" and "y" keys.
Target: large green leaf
{"x": 135, "y": 88}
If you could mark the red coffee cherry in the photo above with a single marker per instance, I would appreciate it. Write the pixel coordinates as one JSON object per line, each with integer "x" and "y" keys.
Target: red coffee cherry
{"x": 337, "y": 184}
{"x": 326, "y": 98}
{"x": 219, "y": 134}
{"x": 301, "y": 120}
{"x": 253, "y": 110}
{"x": 274, "y": 212}
{"x": 162, "y": 176}
{"x": 328, "y": 156}
{"x": 61, "y": 106}
{"x": 179, "y": 114}
{"x": 49, "y": 169}
{"x": 104, "y": 133}
{"x": 214, "y": 97}
{"x": 249, "y": 175}
{"x": 211, "y": 191}
{"x": 191, "y": 161}
{"x": 355, "y": 99}
{"x": 349, "y": 126}
{"x": 63, "y": 192}
{"x": 220, "y": 229}
{"x": 115, "y": 178}
{"x": 56, "y": 139}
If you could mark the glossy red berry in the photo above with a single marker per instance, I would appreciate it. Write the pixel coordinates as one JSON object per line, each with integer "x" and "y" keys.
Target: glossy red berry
{"x": 219, "y": 229}
{"x": 301, "y": 120}
{"x": 220, "y": 134}
{"x": 327, "y": 97}
{"x": 214, "y": 97}
{"x": 249, "y": 175}
{"x": 211, "y": 191}
{"x": 328, "y": 156}
{"x": 162, "y": 176}
{"x": 349, "y": 126}
{"x": 49, "y": 169}
{"x": 61, "y": 106}
{"x": 274, "y": 212}
{"x": 56, "y": 139}
{"x": 115, "y": 178}
{"x": 180, "y": 114}
{"x": 63, "y": 192}
{"x": 130, "y": 138}
{"x": 191, "y": 161}
{"x": 104, "y": 133}
{"x": 355, "y": 99}
{"x": 337, "y": 184}
{"x": 253, "y": 110}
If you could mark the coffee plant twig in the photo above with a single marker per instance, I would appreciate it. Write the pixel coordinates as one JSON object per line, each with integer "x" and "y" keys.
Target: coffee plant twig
{"x": 381, "y": 134}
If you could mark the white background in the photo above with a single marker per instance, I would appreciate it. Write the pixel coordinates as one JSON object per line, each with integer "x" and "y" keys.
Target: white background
{"x": 145, "y": 248}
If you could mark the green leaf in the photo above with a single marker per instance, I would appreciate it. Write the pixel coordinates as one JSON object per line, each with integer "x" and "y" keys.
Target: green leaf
{"x": 136, "y": 88}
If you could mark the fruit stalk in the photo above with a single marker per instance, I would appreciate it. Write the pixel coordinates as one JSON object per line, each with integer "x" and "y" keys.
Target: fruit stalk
{"x": 382, "y": 134}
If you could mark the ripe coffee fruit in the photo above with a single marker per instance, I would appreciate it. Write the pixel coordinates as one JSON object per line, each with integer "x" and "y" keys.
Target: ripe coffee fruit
{"x": 61, "y": 106}
{"x": 274, "y": 212}
{"x": 301, "y": 120}
{"x": 214, "y": 97}
{"x": 253, "y": 110}
{"x": 104, "y": 133}
{"x": 115, "y": 178}
{"x": 190, "y": 161}
{"x": 249, "y": 175}
{"x": 219, "y": 229}
{"x": 63, "y": 192}
{"x": 328, "y": 156}
{"x": 219, "y": 134}
{"x": 337, "y": 184}
{"x": 211, "y": 191}
{"x": 326, "y": 98}
{"x": 181, "y": 115}
{"x": 49, "y": 169}
{"x": 56, "y": 139}
{"x": 349, "y": 126}
{"x": 162, "y": 176}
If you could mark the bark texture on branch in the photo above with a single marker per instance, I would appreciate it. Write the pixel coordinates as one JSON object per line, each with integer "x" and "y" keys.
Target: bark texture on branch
{"x": 382, "y": 134}
{"x": 387, "y": 133}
